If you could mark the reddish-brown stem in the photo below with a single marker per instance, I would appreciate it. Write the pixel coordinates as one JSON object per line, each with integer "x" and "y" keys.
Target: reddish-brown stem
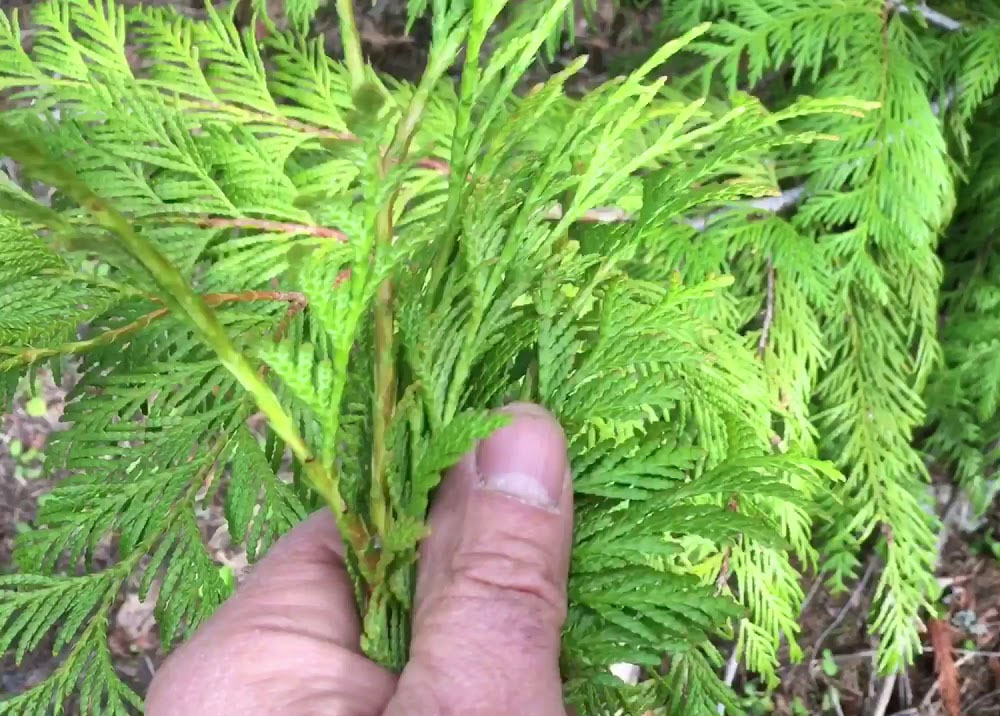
{"x": 215, "y": 299}
{"x": 33, "y": 355}
{"x": 283, "y": 227}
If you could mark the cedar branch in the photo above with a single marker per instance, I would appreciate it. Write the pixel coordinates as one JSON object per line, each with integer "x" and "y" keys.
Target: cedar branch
{"x": 33, "y": 355}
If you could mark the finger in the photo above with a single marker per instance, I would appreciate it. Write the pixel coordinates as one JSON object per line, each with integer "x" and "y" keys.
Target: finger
{"x": 491, "y": 588}
{"x": 286, "y": 643}
{"x": 302, "y": 586}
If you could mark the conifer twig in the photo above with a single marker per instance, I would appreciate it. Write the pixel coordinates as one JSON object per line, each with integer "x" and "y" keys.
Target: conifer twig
{"x": 264, "y": 117}
{"x": 351, "y": 40}
{"x": 385, "y": 351}
{"x": 179, "y": 296}
{"x": 279, "y": 227}
{"x": 720, "y": 583}
{"x": 765, "y": 331}
{"x": 723, "y": 577}
{"x": 437, "y": 165}
{"x": 385, "y": 376}
{"x": 28, "y": 356}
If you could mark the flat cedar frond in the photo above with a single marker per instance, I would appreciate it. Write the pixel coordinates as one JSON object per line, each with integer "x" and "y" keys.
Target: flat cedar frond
{"x": 214, "y": 227}
{"x": 860, "y": 343}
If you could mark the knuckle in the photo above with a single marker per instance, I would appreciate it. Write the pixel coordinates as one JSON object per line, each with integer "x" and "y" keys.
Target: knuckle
{"x": 521, "y": 574}
{"x": 421, "y": 697}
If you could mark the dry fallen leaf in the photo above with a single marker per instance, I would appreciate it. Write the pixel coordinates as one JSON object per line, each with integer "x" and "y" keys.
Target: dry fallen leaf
{"x": 944, "y": 666}
{"x": 134, "y": 629}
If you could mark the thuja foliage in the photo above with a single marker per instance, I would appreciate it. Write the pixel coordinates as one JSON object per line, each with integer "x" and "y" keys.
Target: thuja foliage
{"x": 893, "y": 346}
{"x": 288, "y": 283}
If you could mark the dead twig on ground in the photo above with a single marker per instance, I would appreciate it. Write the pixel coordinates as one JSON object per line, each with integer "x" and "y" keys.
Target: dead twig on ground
{"x": 852, "y": 602}
{"x": 884, "y": 694}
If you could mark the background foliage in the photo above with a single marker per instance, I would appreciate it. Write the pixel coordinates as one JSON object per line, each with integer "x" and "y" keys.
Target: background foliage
{"x": 777, "y": 257}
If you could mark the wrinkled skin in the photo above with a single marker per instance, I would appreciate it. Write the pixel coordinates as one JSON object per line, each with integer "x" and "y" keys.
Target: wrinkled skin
{"x": 490, "y": 603}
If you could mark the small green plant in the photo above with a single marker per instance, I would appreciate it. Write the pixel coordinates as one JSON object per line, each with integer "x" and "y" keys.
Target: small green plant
{"x": 831, "y": 701}
{"x": 799, "y": 708}
{"x": 829, "y": 664}
{"x": 28, "y": 461}
{"x": 756, "y": 702}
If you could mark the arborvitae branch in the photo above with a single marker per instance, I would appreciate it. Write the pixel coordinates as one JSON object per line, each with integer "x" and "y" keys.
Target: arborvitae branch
{"x": 178, "y": 295}
{"x": 32, "y": 355}
{"x": 250, "y": 166}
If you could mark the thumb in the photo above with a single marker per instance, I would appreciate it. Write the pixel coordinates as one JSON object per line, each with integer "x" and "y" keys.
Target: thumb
{"x": 491, "y": 585}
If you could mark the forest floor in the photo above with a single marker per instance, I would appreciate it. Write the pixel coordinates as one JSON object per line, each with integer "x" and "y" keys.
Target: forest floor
{"x": 835, "y": 674}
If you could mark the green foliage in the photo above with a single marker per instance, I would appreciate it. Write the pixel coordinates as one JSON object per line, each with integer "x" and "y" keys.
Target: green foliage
{"x": 963, "y": 395}
{"x": 214, "y": 227}
{"x": 300, "y": 12}
{"x": 76, "y": 610}
{"x": 866, "y": 339}
{"x": 35, "y": 307}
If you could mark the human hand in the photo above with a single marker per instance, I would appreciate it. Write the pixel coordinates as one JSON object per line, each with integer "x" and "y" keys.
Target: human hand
{"x": 489, "y": 606}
